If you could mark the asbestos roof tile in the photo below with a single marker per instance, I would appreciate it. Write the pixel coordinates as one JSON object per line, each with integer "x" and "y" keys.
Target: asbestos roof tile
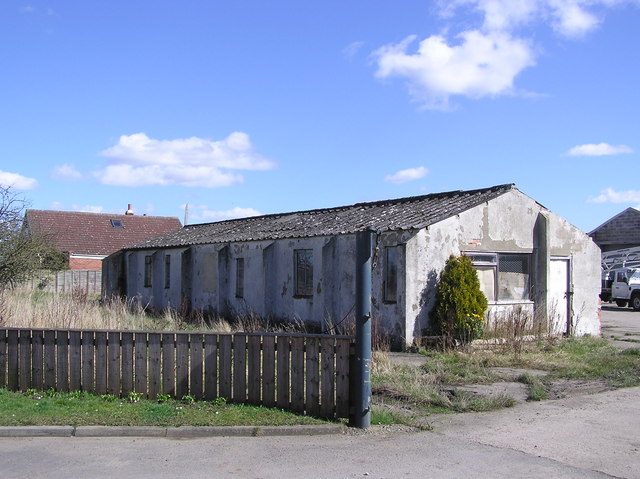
{"x": 397, "y": 214}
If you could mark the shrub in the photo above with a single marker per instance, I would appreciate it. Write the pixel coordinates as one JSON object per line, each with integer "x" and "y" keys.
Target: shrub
{"x": 458, "y": 313}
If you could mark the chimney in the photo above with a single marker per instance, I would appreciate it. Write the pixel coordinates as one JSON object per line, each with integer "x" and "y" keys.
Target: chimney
{"x": 129, "y": 210}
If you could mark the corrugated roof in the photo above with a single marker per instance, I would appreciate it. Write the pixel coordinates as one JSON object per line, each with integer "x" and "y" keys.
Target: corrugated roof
{"x": 94, "y": 233}
{"x": 398, "y": 214}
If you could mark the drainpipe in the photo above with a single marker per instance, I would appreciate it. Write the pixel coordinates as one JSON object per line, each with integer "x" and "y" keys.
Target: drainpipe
{"x": 362, "y": 389}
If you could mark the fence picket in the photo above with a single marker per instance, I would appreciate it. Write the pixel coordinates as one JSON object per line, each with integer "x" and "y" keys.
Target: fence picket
{"x": 239, "y": 367}
{"x": 24, "y": 367}
{"x": 151, "y": 378}
{"x": 168, "y": 364}
{"x": 182, "y": 365}
{"x": 101, "y": 362}
{"x": 49, "y": 359}
{"x": 140, "y": 368}
{"x": 268, "y": 370}
{"x": 196, "y": 367}
{"x": 113, "y": 363}
{"x": 226, "y": 352}
{"x": 12, "y": 360}
{"x": 75, "y": 360}
{"x": 62, "y": 360}
{"x": 312, "y": 377}
{"x": 254, "y": 369}
{"x": 297, "y": 374}
{"x": 88, "y": 349}
{"x": 127, "y": 363}
{"x": 283, "y": 385}
{"x": 342, "y": 377}
{"x": 327, "y": 377}
{"x": 3, "y": 358}
{"x": 37, "y": 371}
{"x": 210, "y": 366}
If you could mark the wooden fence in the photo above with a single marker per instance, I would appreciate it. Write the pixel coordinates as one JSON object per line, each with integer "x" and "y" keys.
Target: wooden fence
{"x": 68, "y": 281}
{"x": 307, "y": 374}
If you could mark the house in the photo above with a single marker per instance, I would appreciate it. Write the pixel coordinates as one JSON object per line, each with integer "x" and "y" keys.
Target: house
{"x": 87, "y": 238}
{"x": 621, "y": 231}
{"x": 301, "y": 265}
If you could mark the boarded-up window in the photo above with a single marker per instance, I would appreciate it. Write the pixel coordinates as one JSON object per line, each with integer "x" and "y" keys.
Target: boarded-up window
{"x": 209, "y": 267}
{"x": 391, "y": 274}
{"x": 303, "y": 273}
{"x": 239, "y": 277}
{"x": 167, "y": 271}
{"x": 148, "y": 271}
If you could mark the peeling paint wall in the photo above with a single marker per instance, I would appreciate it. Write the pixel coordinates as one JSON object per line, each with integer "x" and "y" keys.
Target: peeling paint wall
{"x": 205, "y": 275}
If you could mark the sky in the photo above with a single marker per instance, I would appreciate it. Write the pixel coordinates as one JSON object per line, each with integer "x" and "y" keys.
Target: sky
{"x": 245, "y": 107}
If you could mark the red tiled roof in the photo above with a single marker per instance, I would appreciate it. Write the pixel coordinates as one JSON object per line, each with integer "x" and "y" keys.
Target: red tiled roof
{"x": 94, "y": 233}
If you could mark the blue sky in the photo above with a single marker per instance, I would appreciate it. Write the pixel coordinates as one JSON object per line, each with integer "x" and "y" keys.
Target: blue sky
{"x": 239, "y": 107}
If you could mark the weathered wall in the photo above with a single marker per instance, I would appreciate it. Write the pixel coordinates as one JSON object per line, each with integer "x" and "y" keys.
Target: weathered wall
{"x": 205, "y": 275}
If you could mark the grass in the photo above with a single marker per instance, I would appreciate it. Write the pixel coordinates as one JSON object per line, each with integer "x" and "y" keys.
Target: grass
{"x": 432, "y": 388}
{"x": 82, "y": 409}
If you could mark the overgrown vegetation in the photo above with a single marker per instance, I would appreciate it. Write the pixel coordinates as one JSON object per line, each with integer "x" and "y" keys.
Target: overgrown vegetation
{"x": 460, "y": 304}
{"x": 21, "y": 254}
{"x": 83, "y": 409}
{"x": 415, "y": 392}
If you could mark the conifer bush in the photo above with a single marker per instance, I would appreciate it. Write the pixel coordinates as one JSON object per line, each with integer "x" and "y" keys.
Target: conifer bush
{"x": 460, "y": 305}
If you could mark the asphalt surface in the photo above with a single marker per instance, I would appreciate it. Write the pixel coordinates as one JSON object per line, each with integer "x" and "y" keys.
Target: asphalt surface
{"x": 591, "y": 436}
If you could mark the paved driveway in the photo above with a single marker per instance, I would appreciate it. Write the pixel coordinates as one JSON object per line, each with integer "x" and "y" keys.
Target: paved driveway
{"x": 621, "y": 326}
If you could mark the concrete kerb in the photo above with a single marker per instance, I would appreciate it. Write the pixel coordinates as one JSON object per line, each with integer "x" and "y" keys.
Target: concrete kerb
{"x": 170, "y": 432}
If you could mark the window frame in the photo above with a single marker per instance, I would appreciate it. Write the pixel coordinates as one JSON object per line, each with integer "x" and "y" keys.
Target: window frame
{"x": 482, "y": 260}
{"x": 303, "y": 284}
{"x": 148, "y": 271}
{"x": 390, "y": 281}
{"x": 167, "y": 271}
{"x": 239, "y": 277}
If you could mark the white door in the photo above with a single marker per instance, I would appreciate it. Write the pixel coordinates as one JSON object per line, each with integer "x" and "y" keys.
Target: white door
{"x": 559, "y": 302}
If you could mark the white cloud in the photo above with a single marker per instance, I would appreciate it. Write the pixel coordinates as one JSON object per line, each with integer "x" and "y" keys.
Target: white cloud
{"x": 17, "y": 181}
{"x": 88, "y": 208}
{"x": 409, "y": 174}
{"x": 66, "y": 172}
{"x": 479, "y": 65}
{"x": 138, "y": 160}
{"x": 486, "y": 58}
{"x": 202, "y": 213}
{"x": 609, "y": 195}
{"x": 570, "y": 18}
{"x": 598, "y": 149}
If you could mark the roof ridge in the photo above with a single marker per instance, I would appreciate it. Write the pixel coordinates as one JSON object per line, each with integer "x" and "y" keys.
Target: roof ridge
{"x": 504, "y": 187}
{"x": 97, "y": 214}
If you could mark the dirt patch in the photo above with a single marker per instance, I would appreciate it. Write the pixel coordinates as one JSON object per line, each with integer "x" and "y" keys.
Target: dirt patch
{"x": 566, "y": 388}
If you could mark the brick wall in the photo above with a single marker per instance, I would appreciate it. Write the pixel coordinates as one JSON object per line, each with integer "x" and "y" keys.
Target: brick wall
{"x": 85, "y": 264}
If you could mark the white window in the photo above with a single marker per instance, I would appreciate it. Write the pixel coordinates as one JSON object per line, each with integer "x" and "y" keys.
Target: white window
{"x": 503, "y": 276}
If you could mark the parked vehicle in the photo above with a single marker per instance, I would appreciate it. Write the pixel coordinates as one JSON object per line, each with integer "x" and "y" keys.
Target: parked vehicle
{"x": 621, "y": 277}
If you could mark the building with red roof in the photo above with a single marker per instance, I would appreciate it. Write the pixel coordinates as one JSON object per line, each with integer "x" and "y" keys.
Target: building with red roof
{"x": 87, "y": 238}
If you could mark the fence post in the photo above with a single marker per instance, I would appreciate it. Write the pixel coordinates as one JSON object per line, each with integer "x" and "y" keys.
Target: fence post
{"x": 362, "y": 377}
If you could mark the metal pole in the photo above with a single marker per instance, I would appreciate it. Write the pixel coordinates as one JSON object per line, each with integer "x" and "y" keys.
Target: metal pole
{"x": 362, "y": 400}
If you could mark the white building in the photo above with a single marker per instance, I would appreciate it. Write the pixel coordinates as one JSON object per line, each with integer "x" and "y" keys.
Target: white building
{"x": 301, "y": 265}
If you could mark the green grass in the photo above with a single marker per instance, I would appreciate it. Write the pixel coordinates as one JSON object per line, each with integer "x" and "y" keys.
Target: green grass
{"x": 82, "y": 409}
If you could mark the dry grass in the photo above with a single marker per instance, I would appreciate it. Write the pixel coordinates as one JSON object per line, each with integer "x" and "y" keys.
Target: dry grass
{"x": 37, "y": 309}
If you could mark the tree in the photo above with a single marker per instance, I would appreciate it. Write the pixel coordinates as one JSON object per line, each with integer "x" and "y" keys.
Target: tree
{"x": 21, "y": 254}
{"x": 460, "y": 304}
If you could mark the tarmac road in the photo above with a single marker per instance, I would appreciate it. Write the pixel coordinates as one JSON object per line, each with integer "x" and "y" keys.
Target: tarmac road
{"x": 592, "y": 436}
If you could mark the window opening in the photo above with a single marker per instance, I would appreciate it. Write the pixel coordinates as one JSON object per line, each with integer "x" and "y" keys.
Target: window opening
{"x": 303, "y": 273}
